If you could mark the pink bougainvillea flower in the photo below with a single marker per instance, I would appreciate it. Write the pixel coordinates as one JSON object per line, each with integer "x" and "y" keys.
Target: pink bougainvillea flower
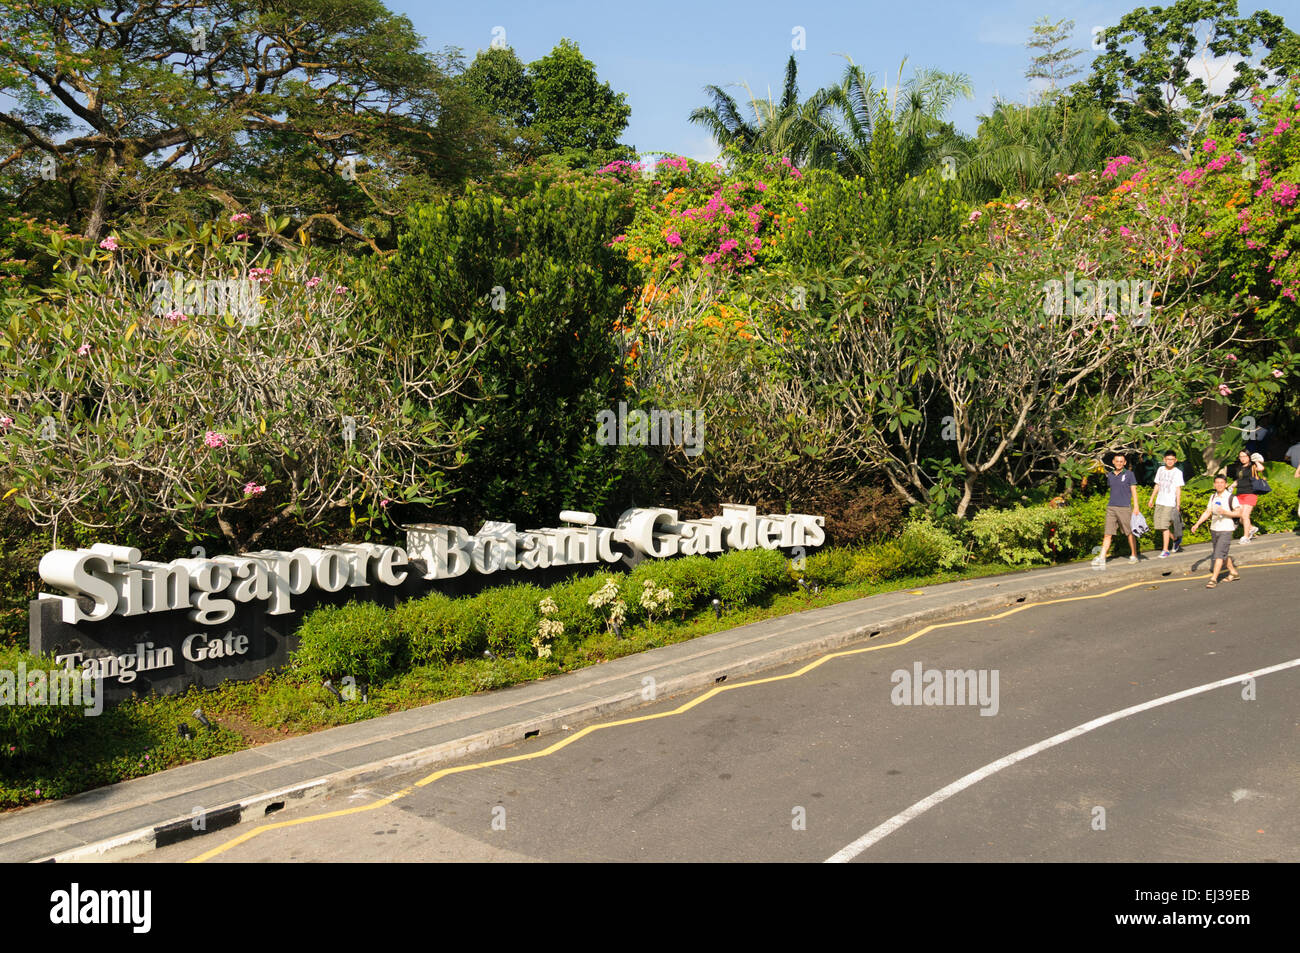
{"x": 239, "y": 218}
{"x": 1114, "y": 165}
{"x": 253, "y": 489}
{"x": 341, "y": 289}
{"x": 974, "y": 216}
{"x": 673, "y": 239}
{"x": 1022, "y": 204}
{"x": 1225, "y": 390}
{"x": 174, "y": 316}
{"x": 1209, "y": 145}
{"x": 1232, "y": 357}
{"x": 261, "y": 275}
{"x": 84, "y": 349}
{"x": 313, "y": 282}
{"x": 109, "y": 244}
{"x": 241, "y": 236}
{"x": 214, "y": 439}
{"x": 729, "y": 245}
{"x": 760, "y": 186}
{"x": 5, "y": 423}
{"x": 1125, "y": 231}
{"x": 383, "y": 504}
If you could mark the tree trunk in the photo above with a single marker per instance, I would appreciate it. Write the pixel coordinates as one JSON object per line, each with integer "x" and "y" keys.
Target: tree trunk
{"x": 1217, "y": 416}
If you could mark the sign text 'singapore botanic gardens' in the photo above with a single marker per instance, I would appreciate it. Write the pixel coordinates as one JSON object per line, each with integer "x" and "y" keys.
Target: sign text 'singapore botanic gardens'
{"x": 118, "y": 615}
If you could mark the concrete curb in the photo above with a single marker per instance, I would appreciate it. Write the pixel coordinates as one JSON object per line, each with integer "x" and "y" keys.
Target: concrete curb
{"x": 261, "y": 808}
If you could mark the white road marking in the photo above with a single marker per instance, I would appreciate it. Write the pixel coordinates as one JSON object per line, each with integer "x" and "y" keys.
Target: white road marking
{"x": 847, "y": 853}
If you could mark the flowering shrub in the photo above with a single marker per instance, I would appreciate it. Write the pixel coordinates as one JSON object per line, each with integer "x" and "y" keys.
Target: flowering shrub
{"x": 195, "y": 382}
{"x": 691, "y": 216}
{"x": 548, "y": 627}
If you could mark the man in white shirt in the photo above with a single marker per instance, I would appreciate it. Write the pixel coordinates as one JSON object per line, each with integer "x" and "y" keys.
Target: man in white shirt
{"x": 1167, "y": 498}
{"x": 1222, "y": 510}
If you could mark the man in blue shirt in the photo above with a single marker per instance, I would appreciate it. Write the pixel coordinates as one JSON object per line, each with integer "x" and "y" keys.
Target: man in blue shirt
{"x": 1121, "y": 506}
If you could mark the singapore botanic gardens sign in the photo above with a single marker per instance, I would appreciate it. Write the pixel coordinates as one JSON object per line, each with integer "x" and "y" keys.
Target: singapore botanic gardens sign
{"x": 145, "y": 625}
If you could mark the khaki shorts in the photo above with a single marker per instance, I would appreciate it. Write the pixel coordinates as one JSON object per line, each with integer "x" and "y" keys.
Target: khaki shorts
{"x": 1118, "y": 519}
{"x": 1221, "y": 540}
{"x": 1164, "y": 516}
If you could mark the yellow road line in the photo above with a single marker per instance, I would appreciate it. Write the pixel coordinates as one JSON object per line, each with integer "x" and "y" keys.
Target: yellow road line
{"x": 687, "y": 706}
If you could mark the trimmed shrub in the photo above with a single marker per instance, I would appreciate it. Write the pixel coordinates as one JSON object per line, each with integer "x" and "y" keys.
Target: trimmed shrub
{"x": 829, "y": 567}
{"x": 745, "y": 576}
{"x": 439, "y": 628}
{"x": 1024, "y": 535}
{"x": 507, "y": 617}
{"x": 354, "y": 640}
{"x": 1088, "y": 515}
{"x": 879, "y": 562}
{"x": 929, "y": 548}
{"x": 691, "y": 579}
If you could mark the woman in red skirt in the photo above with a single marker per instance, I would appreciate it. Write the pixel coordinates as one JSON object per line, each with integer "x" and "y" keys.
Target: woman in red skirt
{"x": 1250, "y": 466}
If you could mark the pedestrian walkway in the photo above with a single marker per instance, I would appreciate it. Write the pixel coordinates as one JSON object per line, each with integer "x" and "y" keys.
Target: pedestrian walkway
{"x": 133, "y": 816}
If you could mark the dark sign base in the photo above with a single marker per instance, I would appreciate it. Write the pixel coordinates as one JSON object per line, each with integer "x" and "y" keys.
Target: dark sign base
{"x": 271, "y": 639}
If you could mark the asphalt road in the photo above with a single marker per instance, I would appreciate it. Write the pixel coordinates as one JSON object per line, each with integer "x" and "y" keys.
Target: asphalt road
{"x": 801, "y": 768}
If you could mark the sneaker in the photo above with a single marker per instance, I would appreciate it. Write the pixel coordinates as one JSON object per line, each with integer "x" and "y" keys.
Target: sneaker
{"x": 1165, "y": 554}
{"x": 1254, "y": 532}
{"x": 1178, "y": 548}
{"x": 1099, "y": 562}
{"x": 1132, "y": 559}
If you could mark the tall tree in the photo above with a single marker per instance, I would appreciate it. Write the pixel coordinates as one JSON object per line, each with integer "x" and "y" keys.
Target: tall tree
{"x": 1145, "y": 77}
{"x": 326, "y": 110}
{"x": 1054, "y": 63}
{"x": 577, "y": 116}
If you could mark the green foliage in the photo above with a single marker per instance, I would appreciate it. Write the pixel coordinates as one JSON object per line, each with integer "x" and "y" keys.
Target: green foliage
{"x": 507, "y": 617}
{"x": 580, "y": 619}
{"x": 745, "y": 576}
{"x": 879, "y": 562}
{"x": 691, "y": 579}
{"x": 529, "y": 274}
{"x": 1020, "y": 536}
{"x": 352, "y": 640}
{"x": 39, "y": 720}
{"x": 1144, "y": 77}
{"x": 440, "y": 629}
{"x": 147, "y": 386}
{"x": 828, "y": 567}
{"x": 576, "y": 114}
{"x": 930, "y": 547}
{"x": 329, "y": 110}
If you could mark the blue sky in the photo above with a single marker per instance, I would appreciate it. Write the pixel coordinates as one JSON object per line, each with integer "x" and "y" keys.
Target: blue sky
{"x": 662, "y": 53}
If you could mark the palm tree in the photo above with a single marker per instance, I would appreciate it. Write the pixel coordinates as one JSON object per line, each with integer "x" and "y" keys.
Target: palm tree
{"x": 1021, "y": 149}
{"x": 784, "y": 128}
{"x": 854, "y": 113}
